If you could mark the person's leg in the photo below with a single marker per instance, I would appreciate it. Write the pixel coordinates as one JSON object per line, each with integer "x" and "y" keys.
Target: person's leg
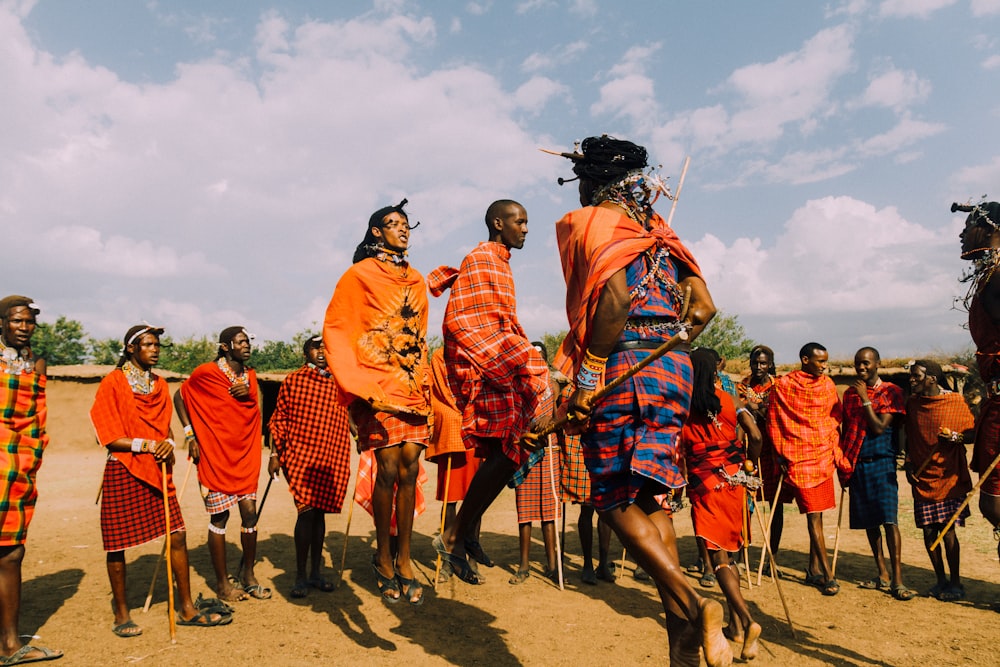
{"x": 937, "y": 560}
{"x": 875, "y": 542}
{"x": 585, "y": 529}
{"x": 603, "y": 549}
{"x": 894, "y": 542}
{"x": 524, "y": 548}
{"x": 777, "y": 526}
{"x": 119, "y": 597}
{"x": 817, "y": 546}
{"x": 217, "y": 551}
{"x": 450, "y": 512}
{"x": 989, "y": 505}
{"x": 491, "y": 478}
{"x": 182, "y": 578}
{"x": 387, "y": 464}
{"x": 408, "y": 463}
{"x": 742, "y": 627}
{"x": 549, "y": 541}
{"x": 248, "y": 540}
{"x": 11, "y": 558}
{"x": 316, "y": 545}
{"x": 707, "y": 579}
{"x": 953, "y": 552}
{"x": 303, "y": 540}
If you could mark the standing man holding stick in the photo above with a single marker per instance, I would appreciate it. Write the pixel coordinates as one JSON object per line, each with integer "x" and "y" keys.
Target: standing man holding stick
{"x": 22, "y": 440}
{"x": 626, "y": 275}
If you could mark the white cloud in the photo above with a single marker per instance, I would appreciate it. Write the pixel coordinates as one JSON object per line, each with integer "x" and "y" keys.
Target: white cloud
{"x": 992, "y": 62}
{"x": 906, "y": 132}
{"x": 985, "y": 7}
{"x": 630, "y": 92}
{"x": 976, "y": 180}
{"x": 559, "y": 56}
{"x": 896, "y": 89}
{"x": 916, "y": 8}
{"x": 536, "y": 92}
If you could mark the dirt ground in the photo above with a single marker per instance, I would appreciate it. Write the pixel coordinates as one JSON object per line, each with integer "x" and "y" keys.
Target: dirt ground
{"x": 66, "y": 591}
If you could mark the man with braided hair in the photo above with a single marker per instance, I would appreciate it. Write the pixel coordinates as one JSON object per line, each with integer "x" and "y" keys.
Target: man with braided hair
{"x": 626, "y": 276}
{"x": 219, "y": 408}
{"x": 981, "y": 245}
{"x": 23, "y": 438}
{"x": 497, "y": 377}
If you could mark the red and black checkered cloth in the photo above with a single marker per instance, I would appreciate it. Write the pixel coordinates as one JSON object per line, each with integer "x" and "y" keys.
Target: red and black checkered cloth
{"x": 132, "y": 511}
{"x": 537, "y": 497}
{"x": 310, "y": 433}
{"x": 22, "y": 440}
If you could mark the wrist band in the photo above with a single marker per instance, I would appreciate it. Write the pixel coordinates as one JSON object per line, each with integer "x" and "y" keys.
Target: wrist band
{"x": 866, "y": 404}
{"x": 591, "y": 370}
{"x": 274, "y": 455}
{"x": 741, "y": 410}
{"x": 188, "y": 432}
{"x": 137, "y": 445}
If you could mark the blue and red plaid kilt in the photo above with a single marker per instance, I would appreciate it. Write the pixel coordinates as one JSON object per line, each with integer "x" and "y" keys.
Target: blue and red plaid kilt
{"x": 536, "y": 496}
{"x": 634, "y": 430}
{"x": 380, "y": 429}
{"x": 874, "y": 493}
{"x": 132, "y": 511}
{"x": 932, "y": 514}
{"x": 575, "y": 480}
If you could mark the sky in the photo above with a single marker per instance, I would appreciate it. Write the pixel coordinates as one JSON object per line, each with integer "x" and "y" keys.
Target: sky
{"x": 199, "y": 165}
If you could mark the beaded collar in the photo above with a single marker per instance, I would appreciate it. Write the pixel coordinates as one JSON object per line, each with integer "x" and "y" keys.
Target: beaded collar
{"x": 139, "y": 380}
{"x": 233, "y": 378}
{"x": 322, "y": 371}
{"x": 983, "y": 269}
{"x": 754, "y": 396}
{"x": 13, "y": 362}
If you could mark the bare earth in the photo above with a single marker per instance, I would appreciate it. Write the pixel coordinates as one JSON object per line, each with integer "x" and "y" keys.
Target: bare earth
{"x": 66, "y": 591}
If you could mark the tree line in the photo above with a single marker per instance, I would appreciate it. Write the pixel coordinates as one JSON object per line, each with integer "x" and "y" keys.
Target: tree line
{"x": 66, "y": 343}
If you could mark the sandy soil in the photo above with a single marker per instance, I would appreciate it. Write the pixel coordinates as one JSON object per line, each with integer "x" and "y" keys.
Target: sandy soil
{"x": 66, "y": 592}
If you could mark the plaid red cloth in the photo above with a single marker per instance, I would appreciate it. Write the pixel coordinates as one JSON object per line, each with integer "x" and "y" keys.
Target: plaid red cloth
{"x": 802, "y": 420}
{"x": 947, "y": 474}
{"x": 819, "y": 498}
{"x": 374, "y": 332}
{"x": 446, "y": 436}
{"x": 495, "y": 374}
{"x": 594, "y": 244}
{"x": 118, "y": 412}
{"x": 311, "y": 436}
{"x": 759, "y": 394}
{"x": 886, "y": 398}
{"x": 132, "y": 510}
{"x": 381, "y": 429}
{"x": 364, "y": 486}
{"x": 574, "y": 478}
{"x": 217, "y": 502}
{"x": 988, "y": 444}
{"x": 935, "y": 514}
{"x": 537, "y": 497}
{"x": 23, "y": 412}
{"x": 710, "y": 446}
{"x": 228, "y": 430}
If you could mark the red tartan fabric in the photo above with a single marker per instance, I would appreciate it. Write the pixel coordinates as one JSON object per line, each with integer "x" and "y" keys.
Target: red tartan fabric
{"x": 947, "y": 475}
{"x": 311, "y": 436}
{"x": 802, "y": 420}
{"x": 228, "y": 430}
{"x": 132, "y": 510}
{"x": 537, "y": 497}
{"x": 364, "y": 486}
{"x": 23, "y": 412}
{"x": 495, "y": 374}
{"x": 381, "y": 429}
{"x": 118, "y": 412}
{"x": 575, "y": 480}
{"x": 819, "y": 498}
{"x": 595, "y": 243}
{"x": 886, "y": 398}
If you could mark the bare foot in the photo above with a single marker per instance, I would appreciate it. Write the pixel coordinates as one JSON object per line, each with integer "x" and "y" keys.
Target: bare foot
{"x": 750, "y": 645}
{"x": 685, "y": 645}
{"x": 717, "y": 650}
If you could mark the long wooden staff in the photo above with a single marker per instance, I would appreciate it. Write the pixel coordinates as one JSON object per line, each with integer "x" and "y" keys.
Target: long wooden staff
{"x": 836, "y": 540}
{"x": 680, "y": 184}
{"x": 767, "y": 533}
{"x": 927, "y": 461}
{"x": 555, "y": 497}
{"x": 774, "y": 566}
{"x": 444, "y": 511}
{"x": 347, "y": 531}
{"x": 968, "y": 498}
{"x": 163, "y": 552}
{"x": 170, "y": 574}
{"x": 746, "y": 537}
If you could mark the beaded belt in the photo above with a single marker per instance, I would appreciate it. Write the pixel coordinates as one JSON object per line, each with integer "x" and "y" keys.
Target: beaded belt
{"x": 624, "y": 345}
{"x": 993, "y": 388}
{"x": 655, "y": 324}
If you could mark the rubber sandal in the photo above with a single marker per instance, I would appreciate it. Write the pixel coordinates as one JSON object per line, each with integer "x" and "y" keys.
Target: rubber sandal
{"x": 385, "y": 584}
{"x": 459, "y": 566}
{"x": 300, "y": 589}
{"x": 519, "y": 577}
{"x": 203, "y": 619}
{"x": 411, "y": 588}
{"x": 321, "y": 584}
{"x": 707, "y": 580}
{"x": 830, "y": 588}
{"x": 257, "y": 592}
{"x": 814, "y": 579}
{"x": 903, "y": 593}
{"x": 475, "y": 549}
{"x": 212, "y": 605}
{"x": 874, "y": 585}
{"x": 19, "y": 657}
{"x": 122, "y": 630}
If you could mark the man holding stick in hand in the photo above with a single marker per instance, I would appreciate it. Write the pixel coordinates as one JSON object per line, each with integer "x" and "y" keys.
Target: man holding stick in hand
{"x": 627, "y": 276}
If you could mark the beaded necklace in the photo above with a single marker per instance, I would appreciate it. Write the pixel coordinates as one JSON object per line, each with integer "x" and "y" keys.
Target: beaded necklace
{"x": 753, "y": 396}
{"x": 233, "y": 378}
{"x": 656, "y": 259}
{"x": 982, "y": 271}
{"x": 13, "y": 362}
{"x": 322, "y": 371}
{"x": 715, "y": 419}
{"x": 139, "y": 380}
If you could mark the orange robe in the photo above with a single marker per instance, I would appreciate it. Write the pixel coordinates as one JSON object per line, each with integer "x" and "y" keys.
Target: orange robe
{"x": 228, "y": 430}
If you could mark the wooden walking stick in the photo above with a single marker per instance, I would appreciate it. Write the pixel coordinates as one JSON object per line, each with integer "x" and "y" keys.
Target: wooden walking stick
{"x": 968, "y": 497}
{"x": 677, "y": 195}
{"x": 622, "y": 568}
{"x": 170, "y": 574}
{"x": 347, "y": 531}
{"x": 163, "y": 552}
{"x": 444, "y": 511}
{"x": 836, "y": 540}
{"x": 774, "y": 568}
{"x": 766, "y": 551}
{"x": 555, "y": 496}
{"x": 746, "y": 537}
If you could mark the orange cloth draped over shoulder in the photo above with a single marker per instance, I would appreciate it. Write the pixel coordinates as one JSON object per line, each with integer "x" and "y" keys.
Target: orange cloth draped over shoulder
{"x": 803, "y": 420}
{"x": 374, "y": 335}
{"x": 446, "y": 436}
{"x": 228, "y": 430}
{"x": 118, "y": 412}
{"x": 595, "y": 243}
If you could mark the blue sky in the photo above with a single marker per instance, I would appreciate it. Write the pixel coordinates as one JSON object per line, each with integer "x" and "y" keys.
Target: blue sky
{"x": 199, "y": 164}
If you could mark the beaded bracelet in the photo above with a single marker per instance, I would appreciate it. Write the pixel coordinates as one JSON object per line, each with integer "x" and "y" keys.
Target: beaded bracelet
{"x": 140, "y": 446}
{"x": 591, "y": 370}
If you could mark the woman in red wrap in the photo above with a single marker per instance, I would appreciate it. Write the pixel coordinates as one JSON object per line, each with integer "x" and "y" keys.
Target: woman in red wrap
{"x": 131, "y": 417}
